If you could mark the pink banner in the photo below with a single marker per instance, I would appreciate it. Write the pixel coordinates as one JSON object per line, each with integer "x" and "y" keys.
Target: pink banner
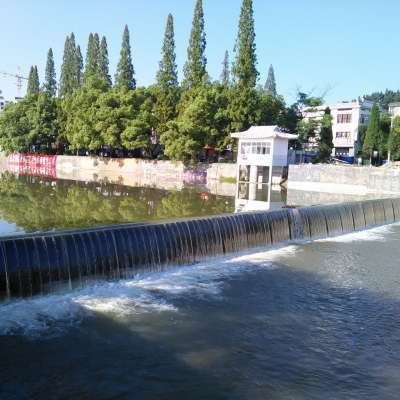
{"x": 33, "y": 164}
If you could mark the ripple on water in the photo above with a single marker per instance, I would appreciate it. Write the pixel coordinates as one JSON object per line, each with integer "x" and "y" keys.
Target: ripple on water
{"x": 150, "y": 292}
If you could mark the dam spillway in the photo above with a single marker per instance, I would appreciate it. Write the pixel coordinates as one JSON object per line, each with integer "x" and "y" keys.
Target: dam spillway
{"x": 33, "y": 263}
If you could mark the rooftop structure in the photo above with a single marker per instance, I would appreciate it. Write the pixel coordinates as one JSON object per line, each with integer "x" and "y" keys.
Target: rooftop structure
{"x": 262, "y": 154}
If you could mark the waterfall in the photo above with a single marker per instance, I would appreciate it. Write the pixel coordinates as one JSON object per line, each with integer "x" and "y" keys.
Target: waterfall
{"x": 38, "y": 263}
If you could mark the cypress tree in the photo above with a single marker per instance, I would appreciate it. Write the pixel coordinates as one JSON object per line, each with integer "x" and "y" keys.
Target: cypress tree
{"x": 125, "y": 72}
{"x": 70, "y": 78}
{"x": 50, "y": 84}
{"x": 394, "y": 140}
{"x": 325, "y": 141}
{"x": 244, "y": 69}
{"x": 270, "y": 84}
{"x": 78, "y": 65}
{"x": 64, "y": 76}
{"x": 167, "y": 80}
{"x": 92, "y": 58}
{"x": 103, "y": 69}
{"x": 195, "y": 66}
{"x": 372, "y": 136}
{"x": 225, "y": 75}
{"x": 33, "y": 81}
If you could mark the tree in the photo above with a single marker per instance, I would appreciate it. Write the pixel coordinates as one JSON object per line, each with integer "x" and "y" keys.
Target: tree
{"x": 79, "y": 111}
{"x": 191, "y": 131}
{"x": 226, "y": 73}
{"x": 50, "y": 83}
{"x": 385, "y": 123}
{"x": 195, "y": 66}
{"x": 325, "y": 139}
{"x": 371, "y": 141}
{"x": 33, "y": 82}
{"x": 383, "y": 99}
{"x": 270, "y": 84}
{"x": 92, "y": 58}
{"x": 16, "y": 124}
{"x": 103, "y": 69}
{"x": 44, "y": 129}
{"x": 244, "y": 69}
{"x": 167, "y": 88}
{"x": 71, "y": 68}
{"x": 78, "y": 66}
{"x": 125, "y": 72}
{"x": 394, "y": 140}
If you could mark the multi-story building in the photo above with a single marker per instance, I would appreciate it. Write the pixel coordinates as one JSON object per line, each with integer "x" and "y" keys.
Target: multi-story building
{"x": 394, "y": 109}
{"x": 347, "y": 117}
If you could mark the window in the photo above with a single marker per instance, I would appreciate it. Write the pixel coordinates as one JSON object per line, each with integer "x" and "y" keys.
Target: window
{"x": 343, "y": 135}
{"x": 344, "y": 118}
{"x": 342, "y": 151}
{"x": 363, "y": 119}
{"x": 255, "y": 148}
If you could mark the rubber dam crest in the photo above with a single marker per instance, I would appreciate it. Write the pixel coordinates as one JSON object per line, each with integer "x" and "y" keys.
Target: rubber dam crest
{"x": 31, "y": 264}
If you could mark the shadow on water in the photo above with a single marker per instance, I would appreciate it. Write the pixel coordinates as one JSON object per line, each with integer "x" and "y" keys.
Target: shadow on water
{"x": 271, "y": 334}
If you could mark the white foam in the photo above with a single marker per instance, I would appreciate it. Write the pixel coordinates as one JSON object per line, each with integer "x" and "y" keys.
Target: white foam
{"x": 374, "y": 234}
{"x": 149, "y": 292}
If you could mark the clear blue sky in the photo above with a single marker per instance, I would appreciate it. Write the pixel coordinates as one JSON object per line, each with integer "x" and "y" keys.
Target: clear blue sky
{"x": 348, "y": 47}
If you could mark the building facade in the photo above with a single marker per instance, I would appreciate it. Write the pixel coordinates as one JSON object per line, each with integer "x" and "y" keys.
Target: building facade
{"x": 347, "y": 117}
{"x": 394, "y": 110}
{"x": 262, "y": 154}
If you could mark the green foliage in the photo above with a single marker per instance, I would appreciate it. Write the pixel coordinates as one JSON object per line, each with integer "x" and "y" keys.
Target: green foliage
{"x": 117, "y": 118}
{"x": 188, "y": 134}
{"x": 325, "y": 137}
{"x": 270, "y": 84}
{"x": 372, "y": 136}
{"x": 78, "y": 67}
{"x": 362, "y": 130}
{"x": 92, "y": 59}
{"x": 167, "y": 88}
{"x": 125, "y": 72}
{"x": 384, "y": 98}
{"x": 44, "y": 125}
{"x": 186, "y": 119}
{"x": 16, "y": 125}
{"x": 394, "y": 140}
{"x": 80, "y": 110}
{"x": 33, "y": 82}
{"x": 226, "y": 72}
{"x": 243, "y": 108}
{"x": 195, "y": 67}
{"x": 67, "y": 204}
{"x": 71, "y": 68}
{"x": 50, "y": 83}
{"x": 244, "y": 69}
{"x": 103, "y": 63}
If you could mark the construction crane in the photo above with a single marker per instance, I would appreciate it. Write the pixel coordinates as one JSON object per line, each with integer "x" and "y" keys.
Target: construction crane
{"x": 19, "y": 79}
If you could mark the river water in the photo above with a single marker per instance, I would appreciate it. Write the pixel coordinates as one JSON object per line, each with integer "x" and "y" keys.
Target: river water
{"x": 315, "y": 320}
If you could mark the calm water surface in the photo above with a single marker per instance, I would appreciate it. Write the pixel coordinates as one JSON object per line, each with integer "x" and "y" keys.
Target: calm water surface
{"x": 29, "y": 203}
{"x": 312, "y": 321}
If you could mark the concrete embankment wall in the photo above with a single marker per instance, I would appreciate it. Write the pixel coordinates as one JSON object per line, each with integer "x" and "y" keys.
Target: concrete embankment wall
{"x": 344, "y": 179}
{"x": 136, "y": 172}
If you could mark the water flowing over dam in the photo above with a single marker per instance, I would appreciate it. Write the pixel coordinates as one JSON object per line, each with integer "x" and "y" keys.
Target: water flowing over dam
{"x": 33, "y": 263}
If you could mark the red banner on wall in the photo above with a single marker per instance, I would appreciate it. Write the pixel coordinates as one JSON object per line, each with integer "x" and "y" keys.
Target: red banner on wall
{"x": 33, "y": 164}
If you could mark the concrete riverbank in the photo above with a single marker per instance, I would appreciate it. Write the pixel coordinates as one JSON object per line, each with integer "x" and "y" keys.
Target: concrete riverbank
{"x": 128, "y": 171}
{"x": 344, "y": 179}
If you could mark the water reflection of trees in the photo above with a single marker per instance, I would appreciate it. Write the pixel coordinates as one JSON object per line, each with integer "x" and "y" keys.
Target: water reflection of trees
{"x": 35, "y": 203}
